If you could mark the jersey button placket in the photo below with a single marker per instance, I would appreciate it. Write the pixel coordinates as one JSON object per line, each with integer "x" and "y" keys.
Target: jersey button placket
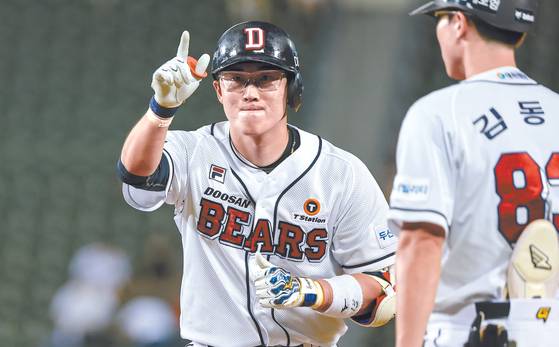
{"x": 264, "y": 209}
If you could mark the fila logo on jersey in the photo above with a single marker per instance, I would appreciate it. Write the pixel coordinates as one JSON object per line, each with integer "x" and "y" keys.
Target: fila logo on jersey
{"x": 254, "y": 39}
{"x": 539, "y": 258}
{"x": 232, "y": 227}
{"x": 543, "y": 313}
{"x": 217, "y": 173}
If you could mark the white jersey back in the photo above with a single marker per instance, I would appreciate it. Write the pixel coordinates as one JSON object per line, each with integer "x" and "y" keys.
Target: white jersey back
{"x": 318, "y": 214}
{"x": 481, "y": 159}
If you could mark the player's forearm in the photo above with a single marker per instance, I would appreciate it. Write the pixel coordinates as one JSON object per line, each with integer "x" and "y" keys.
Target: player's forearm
{"x": 370, "y": 288}
{"x": 143, "y": 147}
{"x": 172, "y": 83}
{"x": 368, "y": 299}
{"x": 418, "y": 258}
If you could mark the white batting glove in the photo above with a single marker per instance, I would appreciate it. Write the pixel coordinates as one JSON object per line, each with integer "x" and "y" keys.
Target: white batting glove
{"x": 277, "y": 288}
{"x": 176, "y": 80}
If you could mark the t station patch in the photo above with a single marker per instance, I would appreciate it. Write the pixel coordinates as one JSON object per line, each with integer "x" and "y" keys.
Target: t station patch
{"x": 217, "y": 173}
{"x": 311, "y": 207}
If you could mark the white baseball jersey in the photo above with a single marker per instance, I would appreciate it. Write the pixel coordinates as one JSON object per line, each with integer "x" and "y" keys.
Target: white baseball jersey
{"x": 481, "y": 159}
{"x": 318, "y": 214}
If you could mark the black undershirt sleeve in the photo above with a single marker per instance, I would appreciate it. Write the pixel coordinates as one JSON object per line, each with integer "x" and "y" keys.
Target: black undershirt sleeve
{"x": 154, "y": 182}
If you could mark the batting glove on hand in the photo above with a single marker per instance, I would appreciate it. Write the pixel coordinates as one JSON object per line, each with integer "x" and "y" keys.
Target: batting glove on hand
{"x": 176, "y": 80}
{"x": 278, "y": 288}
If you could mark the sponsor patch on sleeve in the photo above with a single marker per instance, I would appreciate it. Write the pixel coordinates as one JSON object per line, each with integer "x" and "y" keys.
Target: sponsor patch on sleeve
{"x": 410, "y": 189}
{"x": 385, "y": 237}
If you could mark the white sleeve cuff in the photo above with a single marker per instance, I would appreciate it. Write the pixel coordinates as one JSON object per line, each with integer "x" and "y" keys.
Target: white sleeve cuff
{"x": 397, "y": 216}
{"x": 143, "y": 200}
{"x": 372, "y": 265}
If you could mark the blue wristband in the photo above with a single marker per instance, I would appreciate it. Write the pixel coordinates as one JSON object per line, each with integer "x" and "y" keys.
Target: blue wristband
{"x": 309, "y": 300}
{"x": 161, "y": 111}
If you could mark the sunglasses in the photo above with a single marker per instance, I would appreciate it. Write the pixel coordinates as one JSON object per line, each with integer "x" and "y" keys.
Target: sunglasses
{"x": 264, "y": 80}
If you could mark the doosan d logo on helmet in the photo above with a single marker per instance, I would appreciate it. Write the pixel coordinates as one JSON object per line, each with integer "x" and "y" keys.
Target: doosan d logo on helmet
{"x": 254, "y": 39}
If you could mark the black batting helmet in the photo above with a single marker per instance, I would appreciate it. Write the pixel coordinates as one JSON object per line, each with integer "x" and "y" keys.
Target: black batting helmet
{"x": 262, "y": 42}
{"x": 513, "y": 15}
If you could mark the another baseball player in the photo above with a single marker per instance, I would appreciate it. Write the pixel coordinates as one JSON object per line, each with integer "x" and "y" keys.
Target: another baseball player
{"x": 476, "y": 163}
{"x": 284, "y": 235}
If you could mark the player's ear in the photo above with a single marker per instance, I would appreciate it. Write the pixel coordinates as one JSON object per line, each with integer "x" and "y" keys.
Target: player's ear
{"x": 461, "y": 24}
{"x": 217, "y": 88}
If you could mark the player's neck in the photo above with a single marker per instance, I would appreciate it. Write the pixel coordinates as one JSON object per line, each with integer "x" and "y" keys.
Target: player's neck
{"x": 487, "y": 56}
{"x": 262, "y": 149}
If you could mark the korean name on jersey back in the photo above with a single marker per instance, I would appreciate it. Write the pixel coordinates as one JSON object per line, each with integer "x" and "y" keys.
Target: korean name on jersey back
{"x": 226, "y": 217}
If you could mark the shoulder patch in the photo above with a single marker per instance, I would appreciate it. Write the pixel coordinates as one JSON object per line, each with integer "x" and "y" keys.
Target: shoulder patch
{"x": 385, "y": 237}
{"x": 411, "y": 189}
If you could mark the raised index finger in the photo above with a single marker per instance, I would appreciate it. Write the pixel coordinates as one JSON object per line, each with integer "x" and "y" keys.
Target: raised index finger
{"x": 182, "y": 51}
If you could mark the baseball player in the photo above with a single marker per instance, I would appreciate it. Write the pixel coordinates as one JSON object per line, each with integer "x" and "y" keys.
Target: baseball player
{"x": 284, "y": 235}
{"x": 477, "y": 162}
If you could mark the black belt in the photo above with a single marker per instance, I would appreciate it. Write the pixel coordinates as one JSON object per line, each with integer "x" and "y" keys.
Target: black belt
{"x": 493, "y": 310}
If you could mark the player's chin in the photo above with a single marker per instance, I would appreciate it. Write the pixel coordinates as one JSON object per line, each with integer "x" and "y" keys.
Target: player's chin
{"x": 252, "y": 130}
{"x": 247, "y": 125}
{"x": 456, "y": 75}
{"x": 253, "y": 119}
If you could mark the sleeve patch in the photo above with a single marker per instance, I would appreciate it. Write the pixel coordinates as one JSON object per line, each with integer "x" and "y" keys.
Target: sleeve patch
{"x": 385, "y": 237}
{"x": 411, "y": 189}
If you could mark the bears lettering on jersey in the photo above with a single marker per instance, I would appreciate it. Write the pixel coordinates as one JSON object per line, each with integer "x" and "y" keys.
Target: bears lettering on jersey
{"x": 226, "y": 224}
{"x": 290, "y": 241}
{"x": 316, "y": 242}
{"x": 211, "y": 215}
{"x": 232, "y": 233}
{"x": 260, "y": 236}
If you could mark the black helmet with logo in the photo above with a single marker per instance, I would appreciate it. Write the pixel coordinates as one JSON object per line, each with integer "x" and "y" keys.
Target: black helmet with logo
{"x": 513, "y": 15}
{"x": 262, "y": 42}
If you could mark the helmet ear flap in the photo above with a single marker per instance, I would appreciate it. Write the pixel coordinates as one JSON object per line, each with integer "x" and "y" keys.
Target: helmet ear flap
{"x": 295, "y": 91}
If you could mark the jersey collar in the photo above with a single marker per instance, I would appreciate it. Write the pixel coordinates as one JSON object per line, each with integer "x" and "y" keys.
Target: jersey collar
{"x": 288, "y": 171}
{"x": 505, "y": 75}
